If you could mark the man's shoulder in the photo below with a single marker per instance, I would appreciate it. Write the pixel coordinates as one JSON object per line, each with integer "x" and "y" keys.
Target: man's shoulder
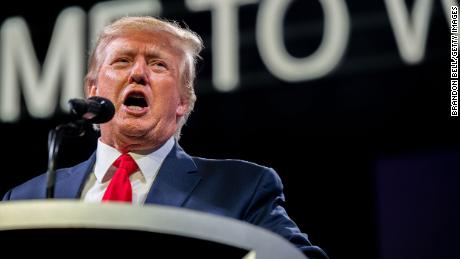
{"x": 35, "y": 188}
{"x": 233, "y": 166}
{"x": 231, "y": 163}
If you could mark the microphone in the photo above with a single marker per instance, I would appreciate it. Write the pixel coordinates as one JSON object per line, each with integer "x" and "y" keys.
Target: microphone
{"x": 95, "y": 109}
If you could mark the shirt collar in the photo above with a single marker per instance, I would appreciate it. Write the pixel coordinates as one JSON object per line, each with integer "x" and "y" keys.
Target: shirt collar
{"x": 148, "y": 164}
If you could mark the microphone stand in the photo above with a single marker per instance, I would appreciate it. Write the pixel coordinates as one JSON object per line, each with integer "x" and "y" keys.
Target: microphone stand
{"x": 95, "y": 109}
{"x": 75, "y": 128}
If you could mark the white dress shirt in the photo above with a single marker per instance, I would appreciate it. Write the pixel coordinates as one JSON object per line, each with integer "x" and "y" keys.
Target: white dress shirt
{"x": 141, "y": 180}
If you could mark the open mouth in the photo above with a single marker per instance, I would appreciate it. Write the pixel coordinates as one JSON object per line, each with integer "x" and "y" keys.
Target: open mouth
{"x": 136, "y": 101}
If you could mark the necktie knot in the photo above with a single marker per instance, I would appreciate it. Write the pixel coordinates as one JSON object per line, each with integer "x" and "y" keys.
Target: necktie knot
{"x": 126, "y": 162}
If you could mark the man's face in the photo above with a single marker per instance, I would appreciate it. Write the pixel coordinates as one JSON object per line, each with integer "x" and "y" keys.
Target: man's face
{"x": 141, "y": 74}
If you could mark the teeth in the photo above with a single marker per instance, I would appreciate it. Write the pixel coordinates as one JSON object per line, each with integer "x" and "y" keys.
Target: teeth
{"x": 136, "y": 108}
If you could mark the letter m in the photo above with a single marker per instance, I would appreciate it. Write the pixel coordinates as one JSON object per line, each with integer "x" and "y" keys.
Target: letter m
{"x": 40, "y": 85}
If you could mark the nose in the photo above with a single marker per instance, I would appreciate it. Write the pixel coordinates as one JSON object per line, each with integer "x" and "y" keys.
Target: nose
{"x": 138, "y": 73}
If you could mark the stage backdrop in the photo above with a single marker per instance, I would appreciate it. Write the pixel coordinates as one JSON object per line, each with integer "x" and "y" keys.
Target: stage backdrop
{"x": 349, "y": 101}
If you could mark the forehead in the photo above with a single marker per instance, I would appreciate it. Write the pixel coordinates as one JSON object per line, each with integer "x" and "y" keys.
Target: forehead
{"x": 148, "y": 42}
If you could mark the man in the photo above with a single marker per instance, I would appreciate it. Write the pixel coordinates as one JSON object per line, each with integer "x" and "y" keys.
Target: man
{"x": 146, "y": 67}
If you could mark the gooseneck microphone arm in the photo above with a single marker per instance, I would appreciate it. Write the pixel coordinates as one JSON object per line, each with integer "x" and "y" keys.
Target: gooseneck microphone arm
{"x": 84, "y": 112}
{"x": 54, "y": 140}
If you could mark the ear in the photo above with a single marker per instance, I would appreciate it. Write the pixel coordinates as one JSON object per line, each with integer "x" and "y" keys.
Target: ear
{"x": 92, "y": 90}
{"x": 182, "y": 107}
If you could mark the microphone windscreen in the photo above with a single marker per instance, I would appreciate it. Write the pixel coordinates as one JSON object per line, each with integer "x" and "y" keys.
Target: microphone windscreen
{"x": 106, "y": 110}
{"x": 95, "y": 109}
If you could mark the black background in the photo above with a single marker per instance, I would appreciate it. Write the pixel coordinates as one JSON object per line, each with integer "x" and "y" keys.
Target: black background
{"x": 329, "y": 139}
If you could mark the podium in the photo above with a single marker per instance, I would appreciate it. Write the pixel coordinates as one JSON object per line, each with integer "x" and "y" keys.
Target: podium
{"x": 59, "y": 228}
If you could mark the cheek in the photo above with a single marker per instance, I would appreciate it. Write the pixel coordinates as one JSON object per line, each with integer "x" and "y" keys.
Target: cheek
{"x": 112, "y": 75}
{"x": 108, "y": 81}
{"x": 167, "y": 98}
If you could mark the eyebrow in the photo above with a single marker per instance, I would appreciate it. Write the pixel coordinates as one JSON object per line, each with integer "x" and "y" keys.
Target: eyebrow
{"x": 151, "y": 53}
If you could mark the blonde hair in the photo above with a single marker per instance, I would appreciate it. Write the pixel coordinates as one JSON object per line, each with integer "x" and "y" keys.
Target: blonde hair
{"x": 191, "y": 44}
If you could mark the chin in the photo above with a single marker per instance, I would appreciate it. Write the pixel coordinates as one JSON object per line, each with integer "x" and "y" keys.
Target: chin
{"x": 134, "y": 130}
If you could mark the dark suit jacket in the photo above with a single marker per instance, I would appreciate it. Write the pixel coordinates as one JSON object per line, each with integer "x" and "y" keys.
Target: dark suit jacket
{"x": 232, "y": 188}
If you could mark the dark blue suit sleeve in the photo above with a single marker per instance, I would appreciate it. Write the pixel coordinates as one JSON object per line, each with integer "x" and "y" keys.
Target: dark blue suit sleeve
{"x": 266, "y": 209}
{"x": 7, "y": 195}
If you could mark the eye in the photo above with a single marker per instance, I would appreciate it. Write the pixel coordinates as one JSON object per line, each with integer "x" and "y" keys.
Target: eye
{"x": 121, "y": 61}
{"x": 158, "y": 65}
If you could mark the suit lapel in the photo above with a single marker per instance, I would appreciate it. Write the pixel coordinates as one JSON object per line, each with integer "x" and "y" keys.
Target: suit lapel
{"x": 176, "y": 179}
{"x": 70, "y": 182}
{"x": 174, "y": 183}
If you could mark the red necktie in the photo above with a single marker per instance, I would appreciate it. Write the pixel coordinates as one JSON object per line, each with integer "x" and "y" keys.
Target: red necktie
{"x": 119, "y": 188}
